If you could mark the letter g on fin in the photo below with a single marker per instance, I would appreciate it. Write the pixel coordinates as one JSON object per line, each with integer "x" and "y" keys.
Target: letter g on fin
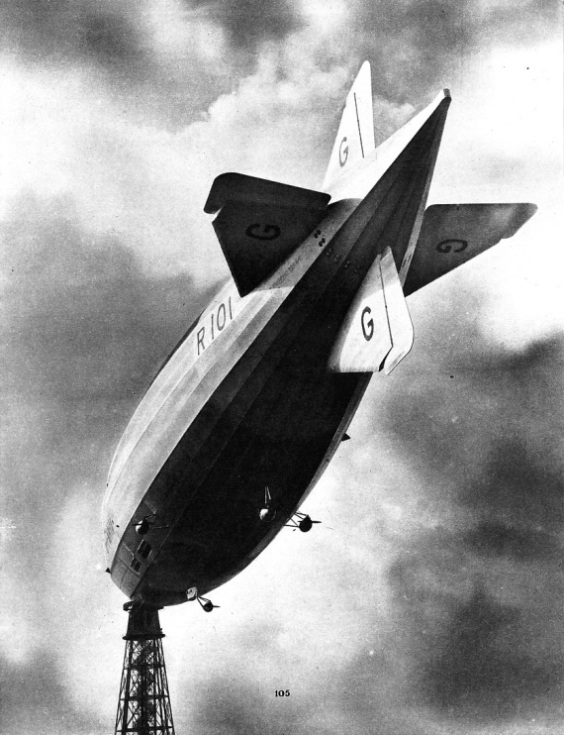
{"x": 266, "y": 232}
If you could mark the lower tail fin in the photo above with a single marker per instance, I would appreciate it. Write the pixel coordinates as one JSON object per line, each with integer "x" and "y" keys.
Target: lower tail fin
{"x": 377, "y": 332}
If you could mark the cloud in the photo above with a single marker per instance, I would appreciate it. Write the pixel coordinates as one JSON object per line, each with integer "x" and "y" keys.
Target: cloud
{"x": 419, "y": 47}
{"x": 83, "y": 331}
{"x": 474, "y": 650}
{"x": 250, "y": 23}
{"x": 145, "y": 184}
{"x": 160, "y": 51}
{"x": 35, "y": 694}
{"x": 151, "y": 60}
{"x": 80, "y": 316}
{"x": 429, "y": 599}
{"x": 51, "y": 31}
{"x": 115, "y": 36}
{"x": 494, "y": 539}
{"x": 160, "y": 60}
{"x": 481, "y": 630}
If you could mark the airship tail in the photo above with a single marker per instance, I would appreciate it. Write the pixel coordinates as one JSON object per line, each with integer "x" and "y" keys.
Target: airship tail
{"x": 377, "y": 332}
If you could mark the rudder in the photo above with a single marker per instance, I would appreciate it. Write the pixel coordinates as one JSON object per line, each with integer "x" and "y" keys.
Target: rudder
{"x": 355, "y": 136}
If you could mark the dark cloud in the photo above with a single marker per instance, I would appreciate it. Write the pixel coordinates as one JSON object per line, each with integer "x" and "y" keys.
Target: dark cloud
{"x": 31, "y": 692}
{"x": 417, "y": 47}
{"x": 110, "y": 38}
{"x": 117, "y": 45}
{"x": 412, "y": 44}
{"x": 518, "y": 488}
{"x": 84, "y": 330}
{"x": 111, "y": 43}
{"x": 463, "y": 626}
{"x": 472, "y": 672}
{"x": 514, "y": 399}
{"x": 494, "y": 539}
{"x": 83, "y": 323}
{"x": 480, "y": 607}
{"x": 414, "y": 47}
{"x": 471, "y": 629}
{"x": 250, "y": 23}
{"x": 64, "y": 30}
{"x": 470, "y": 654}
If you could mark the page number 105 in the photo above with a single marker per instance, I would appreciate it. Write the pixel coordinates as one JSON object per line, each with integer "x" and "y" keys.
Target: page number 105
{"x": 282, "y": 692}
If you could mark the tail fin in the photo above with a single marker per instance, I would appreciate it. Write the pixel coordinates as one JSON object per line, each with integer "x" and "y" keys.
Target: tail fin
{"x": 377, "y": 332}
{"x": 355, "y": 137}
{"x": 454, "y": 233}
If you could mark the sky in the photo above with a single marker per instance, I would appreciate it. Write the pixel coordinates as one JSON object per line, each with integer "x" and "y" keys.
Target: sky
{"x": 429, "y": 601}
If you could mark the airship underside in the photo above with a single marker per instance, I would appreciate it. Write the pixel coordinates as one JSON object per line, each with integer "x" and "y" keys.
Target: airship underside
{"x": 253, "y": 403}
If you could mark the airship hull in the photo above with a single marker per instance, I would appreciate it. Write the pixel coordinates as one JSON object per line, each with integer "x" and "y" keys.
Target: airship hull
{"x": 247, "y": 401}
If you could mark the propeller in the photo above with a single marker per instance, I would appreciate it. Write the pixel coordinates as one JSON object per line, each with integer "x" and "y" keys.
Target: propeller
{"x": 206, "y": 605}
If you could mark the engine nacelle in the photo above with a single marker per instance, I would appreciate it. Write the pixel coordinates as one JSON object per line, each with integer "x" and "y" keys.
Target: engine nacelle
{"x": 206, "y": 605}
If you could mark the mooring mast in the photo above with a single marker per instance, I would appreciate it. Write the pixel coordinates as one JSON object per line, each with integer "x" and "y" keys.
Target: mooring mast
{"x": 144, "y": 704}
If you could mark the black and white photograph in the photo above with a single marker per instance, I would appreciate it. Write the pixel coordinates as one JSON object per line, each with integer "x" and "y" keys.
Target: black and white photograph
{"x": 282, "y": 375}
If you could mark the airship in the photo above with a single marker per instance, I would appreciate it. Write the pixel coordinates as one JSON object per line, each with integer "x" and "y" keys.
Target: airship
{"x": 245, "y": 415}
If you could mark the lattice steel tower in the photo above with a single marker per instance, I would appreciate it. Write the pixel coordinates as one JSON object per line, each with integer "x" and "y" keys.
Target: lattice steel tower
{"x": 144, "y": 704}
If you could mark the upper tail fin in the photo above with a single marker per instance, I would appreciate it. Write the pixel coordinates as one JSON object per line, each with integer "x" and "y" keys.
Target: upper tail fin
{"x": 355, "y": 137}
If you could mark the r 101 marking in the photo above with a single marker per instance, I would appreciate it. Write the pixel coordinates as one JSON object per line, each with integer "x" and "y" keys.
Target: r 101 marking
{"x": 218, "y": 319}
{"x": 282, "y": 692}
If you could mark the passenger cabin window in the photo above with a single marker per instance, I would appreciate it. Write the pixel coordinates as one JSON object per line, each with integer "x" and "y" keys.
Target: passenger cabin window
{"x": 135, "y": 565}
{"x": 144, "y": 549}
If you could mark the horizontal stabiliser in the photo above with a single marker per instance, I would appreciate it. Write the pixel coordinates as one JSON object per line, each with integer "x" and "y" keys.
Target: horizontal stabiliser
{"x": 452, "y": 234}
{"x": 260, "y": 223}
